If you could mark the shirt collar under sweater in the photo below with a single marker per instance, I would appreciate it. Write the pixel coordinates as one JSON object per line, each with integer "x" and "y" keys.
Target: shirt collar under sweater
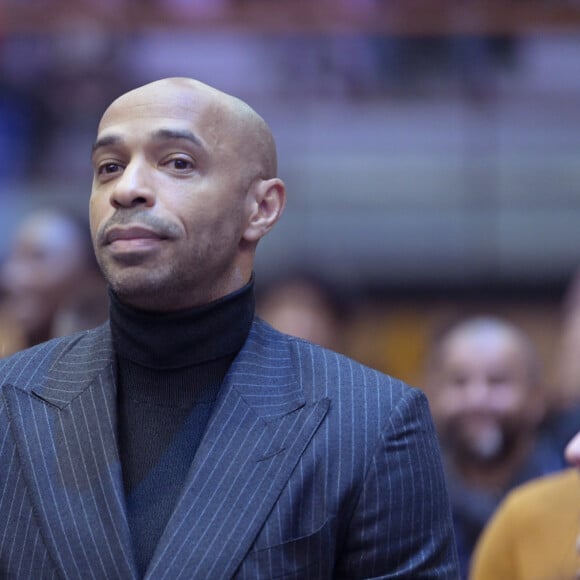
{"x": 187, "y": 337}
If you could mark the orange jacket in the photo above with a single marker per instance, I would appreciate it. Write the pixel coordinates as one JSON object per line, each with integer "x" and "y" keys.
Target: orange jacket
{"x": 533, "y": 535}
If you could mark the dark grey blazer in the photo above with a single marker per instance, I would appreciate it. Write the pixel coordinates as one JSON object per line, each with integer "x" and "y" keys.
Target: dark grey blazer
{"x": 312, "y": 466}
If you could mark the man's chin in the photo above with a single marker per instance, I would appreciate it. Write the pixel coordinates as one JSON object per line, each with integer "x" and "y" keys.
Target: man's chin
{"x": 135, "y": 286}
{"x": 485, "y": 448}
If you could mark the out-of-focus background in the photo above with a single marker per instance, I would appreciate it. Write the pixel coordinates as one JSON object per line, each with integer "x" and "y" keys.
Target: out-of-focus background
{"x": 431, "y": 149}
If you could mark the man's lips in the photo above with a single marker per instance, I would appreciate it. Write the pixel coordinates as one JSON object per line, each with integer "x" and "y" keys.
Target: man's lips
{"x": 132, "y": 233}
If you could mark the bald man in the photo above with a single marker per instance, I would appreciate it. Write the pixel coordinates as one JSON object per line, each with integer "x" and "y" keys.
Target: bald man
{"x": 484, "y": 385}
{"x": 185, "y": 438}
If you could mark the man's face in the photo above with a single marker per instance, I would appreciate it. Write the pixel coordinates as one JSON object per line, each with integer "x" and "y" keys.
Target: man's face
{"x": 483, "y": 400}
{"x": 169, "y": 199}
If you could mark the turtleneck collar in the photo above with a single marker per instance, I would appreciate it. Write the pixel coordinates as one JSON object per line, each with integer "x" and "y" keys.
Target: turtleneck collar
{"x": 187, "y": 337}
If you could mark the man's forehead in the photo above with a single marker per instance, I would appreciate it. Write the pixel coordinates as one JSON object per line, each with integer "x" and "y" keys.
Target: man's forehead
{"x": 489, "y": 343}
{"x": 171, "y": 98}
{"x": 153, "y": 109}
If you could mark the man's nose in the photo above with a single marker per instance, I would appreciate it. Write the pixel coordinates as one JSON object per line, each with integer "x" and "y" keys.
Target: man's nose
{"x": 477, "y": 393}
{"x": 133, "y": 187}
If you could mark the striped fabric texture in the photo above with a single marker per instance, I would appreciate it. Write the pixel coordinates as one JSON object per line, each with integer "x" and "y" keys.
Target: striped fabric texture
{"x": 312, "y": 466}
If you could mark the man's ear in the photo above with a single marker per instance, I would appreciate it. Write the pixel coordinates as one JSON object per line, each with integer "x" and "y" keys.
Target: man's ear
{"x": 266, "y": 198}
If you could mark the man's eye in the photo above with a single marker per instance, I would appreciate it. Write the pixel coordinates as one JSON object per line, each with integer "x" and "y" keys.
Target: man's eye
{"x": 181, "y": 164}
{"x": 499, "y": 380}
{"x": 108, "y": 168}
{"x": 458, "y": 381}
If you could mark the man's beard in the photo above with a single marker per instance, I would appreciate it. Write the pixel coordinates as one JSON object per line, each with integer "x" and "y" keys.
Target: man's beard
{"x": 491, "y": 446}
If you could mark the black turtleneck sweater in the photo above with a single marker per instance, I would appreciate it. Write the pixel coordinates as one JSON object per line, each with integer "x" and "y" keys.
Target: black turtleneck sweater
{"x": 170, "y": 367}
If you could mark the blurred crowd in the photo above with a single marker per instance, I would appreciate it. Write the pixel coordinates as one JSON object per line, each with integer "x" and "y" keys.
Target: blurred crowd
{"x": 53, "y": 87}
{"x": 50, "y": 284}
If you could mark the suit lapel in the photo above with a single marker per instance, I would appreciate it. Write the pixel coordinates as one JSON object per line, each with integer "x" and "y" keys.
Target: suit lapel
{"x": 258, "y": 432}
{"x": 65, "y": 429}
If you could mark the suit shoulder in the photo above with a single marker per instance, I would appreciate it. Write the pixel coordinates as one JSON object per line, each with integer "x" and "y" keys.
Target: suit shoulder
{"x": 333, "y": 373}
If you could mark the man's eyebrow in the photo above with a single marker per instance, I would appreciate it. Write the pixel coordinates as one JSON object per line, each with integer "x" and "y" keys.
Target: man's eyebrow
{"x": 106, "y": 141}
{"x": 170, "y": 134}
{"x": 161, "y": 134}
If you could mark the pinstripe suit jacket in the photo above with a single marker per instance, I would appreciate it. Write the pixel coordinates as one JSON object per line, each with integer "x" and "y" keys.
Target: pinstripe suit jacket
{"x": 312, "y": 466}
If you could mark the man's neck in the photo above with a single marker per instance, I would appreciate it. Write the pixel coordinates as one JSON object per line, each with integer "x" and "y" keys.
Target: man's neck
{"x": 179, "y": 339}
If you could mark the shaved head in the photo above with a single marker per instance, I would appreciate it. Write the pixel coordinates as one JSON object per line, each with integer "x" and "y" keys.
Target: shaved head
{"x": 490, "y": 330}
{"x": 184, "y": 187}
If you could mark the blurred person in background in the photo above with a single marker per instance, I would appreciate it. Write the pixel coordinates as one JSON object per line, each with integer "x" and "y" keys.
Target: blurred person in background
{"x": 86, "y": 307}
{"x": 483, "y": 381}
{"x": 49, "y": 261}
{"x": 563, "y": 416}
{"x": 12, "y": 338}
{"x": 568, "y": 364}
{"x": 305, "y": 306}
{"x": 535, "y": 533}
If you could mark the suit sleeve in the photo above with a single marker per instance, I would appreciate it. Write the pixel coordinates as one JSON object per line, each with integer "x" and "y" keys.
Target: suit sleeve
{"x": 401, "y": 526}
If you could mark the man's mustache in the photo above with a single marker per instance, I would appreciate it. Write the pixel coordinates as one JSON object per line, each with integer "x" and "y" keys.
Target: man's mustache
{"x": 138, "y": 218}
